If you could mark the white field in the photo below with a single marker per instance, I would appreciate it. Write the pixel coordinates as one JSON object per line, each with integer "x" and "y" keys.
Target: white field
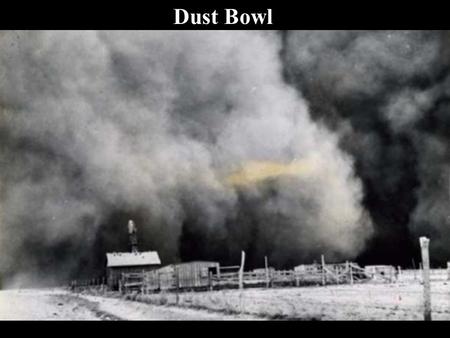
{"x": 32, "y": 304}
{"x": 43, "y": 305}
{"x": 397, "y": 301}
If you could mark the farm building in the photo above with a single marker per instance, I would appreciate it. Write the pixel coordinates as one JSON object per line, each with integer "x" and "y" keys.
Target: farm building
{"x": 193, "y": 274}
{"x": 183, "y": 275}
{"x": 129, "y": 262}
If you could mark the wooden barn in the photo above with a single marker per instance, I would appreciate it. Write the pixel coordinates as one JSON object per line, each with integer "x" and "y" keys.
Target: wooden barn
{"x": 187, "y": 275}
{"x": 196, "y": 274}
{"x": 129, "y": 262}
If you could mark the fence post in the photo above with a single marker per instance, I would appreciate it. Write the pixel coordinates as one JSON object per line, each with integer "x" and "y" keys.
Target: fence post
{"x": 210, "y": 280}
{"x": 350, "y": 271}
{"x": 323, "y": 270}
{"x": 266, "y": 264}
{"x": 241, "y": 271}
{"x": 158, "y": 274}
{"x": 177, "y": 281}
{"x": 424, "y": 245}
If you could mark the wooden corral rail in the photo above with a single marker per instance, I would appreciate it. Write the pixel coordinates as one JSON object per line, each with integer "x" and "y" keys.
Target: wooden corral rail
{"x": 232, "y": 279}
{"x": 312, "y": 274}
{"x": 98, "y": 284}
{"x": 132, "y": 282}
{"x": 175, "y": 279}
{"x": 196, "y": 276}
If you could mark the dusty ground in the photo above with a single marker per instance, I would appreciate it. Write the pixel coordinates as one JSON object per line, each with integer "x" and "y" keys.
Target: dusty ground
{"x": 132, "y": 310}
{"x": 61, "y": 305}
{"x": 44, "y": 305}
{"x": 398, "y": 301}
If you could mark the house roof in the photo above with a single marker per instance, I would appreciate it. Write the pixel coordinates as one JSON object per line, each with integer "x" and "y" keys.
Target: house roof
{"x": 116, "y": 259}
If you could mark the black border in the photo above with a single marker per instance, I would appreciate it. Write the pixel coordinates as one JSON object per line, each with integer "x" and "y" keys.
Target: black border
{"x": 291, "y": 15}
{"x": 149, "y": 14}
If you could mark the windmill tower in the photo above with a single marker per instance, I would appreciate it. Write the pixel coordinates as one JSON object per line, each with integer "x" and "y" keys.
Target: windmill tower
{"x": 132, "y": 233}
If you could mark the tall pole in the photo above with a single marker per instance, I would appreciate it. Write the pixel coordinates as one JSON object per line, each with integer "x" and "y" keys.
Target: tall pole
{"x": 424, "y": 244}
{"x": 241, "y": 271}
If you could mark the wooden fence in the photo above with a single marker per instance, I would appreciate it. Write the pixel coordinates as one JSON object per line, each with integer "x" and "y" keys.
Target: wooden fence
{"x": 169, "y": 280}
{"x": 228, "y": 277}
{"x": 130, "y": 282}
{"x": 176, "y": 278}
{"x": 411, "y": 275}
{"x": 98, "y": 284}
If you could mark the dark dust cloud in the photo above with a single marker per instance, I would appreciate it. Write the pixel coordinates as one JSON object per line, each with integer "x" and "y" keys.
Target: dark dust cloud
{"x": 350, "y": 128}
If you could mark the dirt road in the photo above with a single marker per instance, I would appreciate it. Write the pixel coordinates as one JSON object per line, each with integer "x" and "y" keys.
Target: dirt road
{"x": 131, "y": 310}
{"x": 44, "y": 305}
{"x": 62, "y": 305}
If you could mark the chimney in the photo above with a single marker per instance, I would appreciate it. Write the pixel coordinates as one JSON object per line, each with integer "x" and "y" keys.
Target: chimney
{"x": 132, "y": 232}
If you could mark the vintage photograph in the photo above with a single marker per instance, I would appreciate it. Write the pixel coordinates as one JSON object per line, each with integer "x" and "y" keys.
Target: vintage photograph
{"x": 225, "y": 175}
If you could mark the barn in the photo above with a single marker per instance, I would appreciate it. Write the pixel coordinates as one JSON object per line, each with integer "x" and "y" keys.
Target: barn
{"x": 188, "y": 275}
{"x": 196, "y": 274}
{"x": 129, "y": 262}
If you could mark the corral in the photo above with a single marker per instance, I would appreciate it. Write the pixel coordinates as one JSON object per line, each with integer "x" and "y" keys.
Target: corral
{"x": 201, "y": 276}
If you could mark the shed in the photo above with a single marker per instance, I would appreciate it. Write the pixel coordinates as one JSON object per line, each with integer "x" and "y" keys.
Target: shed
{"x": 188, "y": 275}
{"x": 196, "y": 274}
{"x": 129, "y": 262}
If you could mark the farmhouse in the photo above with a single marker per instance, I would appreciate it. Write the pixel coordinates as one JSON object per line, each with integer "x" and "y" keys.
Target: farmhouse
{"x": 129, "y": 262}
